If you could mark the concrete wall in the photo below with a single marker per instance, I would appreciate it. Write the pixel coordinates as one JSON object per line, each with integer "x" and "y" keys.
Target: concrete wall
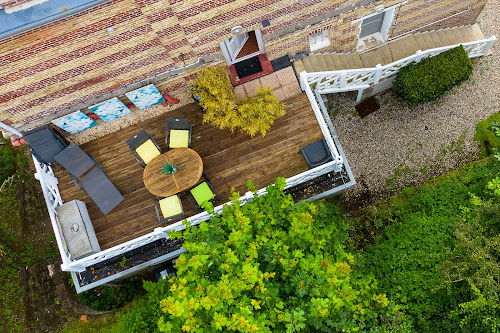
{"x": 74, "y": 62}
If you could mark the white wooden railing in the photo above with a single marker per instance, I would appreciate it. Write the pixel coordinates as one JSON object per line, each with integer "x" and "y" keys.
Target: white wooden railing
{"x": 362, "y": 78}
{"x": 48, "y": 182}
{"x": 53, "y": 199}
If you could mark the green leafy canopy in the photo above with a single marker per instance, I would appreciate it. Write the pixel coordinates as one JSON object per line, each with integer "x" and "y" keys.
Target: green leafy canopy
{"x": 271, "y": 266}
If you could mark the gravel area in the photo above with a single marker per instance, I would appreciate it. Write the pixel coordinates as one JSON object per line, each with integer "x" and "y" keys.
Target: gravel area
{"x": 396, "y": 146}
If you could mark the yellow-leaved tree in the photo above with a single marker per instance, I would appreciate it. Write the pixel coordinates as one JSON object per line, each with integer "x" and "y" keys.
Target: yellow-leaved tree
{"x": 223, "y": 109}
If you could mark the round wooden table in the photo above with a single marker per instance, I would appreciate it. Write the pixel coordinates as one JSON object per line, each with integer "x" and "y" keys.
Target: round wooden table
{"x": 189, "y": 170}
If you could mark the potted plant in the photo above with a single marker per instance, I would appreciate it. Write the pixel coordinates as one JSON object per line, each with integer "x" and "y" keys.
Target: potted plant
{"x": 169, "y": 168}
{"x": 224, "y": 110}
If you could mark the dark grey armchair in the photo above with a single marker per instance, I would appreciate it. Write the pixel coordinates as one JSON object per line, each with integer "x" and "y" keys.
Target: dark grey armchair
{"x": 168, "y": 209}
{"x": 316, "y": 153}
{"x": 178, "y": 133}
{"x": 143, "y": 147}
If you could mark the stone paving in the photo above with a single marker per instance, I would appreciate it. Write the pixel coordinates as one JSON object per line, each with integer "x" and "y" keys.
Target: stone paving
{"x": 283, "y": 82}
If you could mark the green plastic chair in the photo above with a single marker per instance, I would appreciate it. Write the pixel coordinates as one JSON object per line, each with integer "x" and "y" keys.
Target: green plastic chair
{"x": 201, "y": 193}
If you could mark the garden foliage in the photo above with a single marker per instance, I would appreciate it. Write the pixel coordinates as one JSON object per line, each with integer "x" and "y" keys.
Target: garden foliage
{"x": 432, "y": 77}
{"x": 14, "y": 252}
{"x": 271, "y": 266}
{"x": 223, "y": 109}
{"x": 488, "y": 135}
{"x": 427, "y": 229}
{"x": 10, "y": 262}
{"x": 475, "y": 261}
{"x": 7, "y": 162}
{"x": 106, "y": 298}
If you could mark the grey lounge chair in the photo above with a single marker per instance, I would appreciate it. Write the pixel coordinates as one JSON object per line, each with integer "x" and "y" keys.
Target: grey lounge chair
{"x": 178, "y": 138}
{"x": 316, "y": 153}
{"x": 94, "y": 182}
{"x": 44, "y": 143}
{"x": 138, "y": 140}
{"x": 101, "y": 190}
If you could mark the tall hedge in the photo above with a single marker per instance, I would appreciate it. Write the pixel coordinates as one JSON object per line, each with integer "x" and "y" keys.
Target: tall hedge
{"x": 432, "y": 77}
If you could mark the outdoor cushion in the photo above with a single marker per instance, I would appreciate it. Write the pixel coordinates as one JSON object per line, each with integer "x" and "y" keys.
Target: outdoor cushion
{"x": 147, "y": 151}
{"x": 170, "y": 206}
{"x": 179, "y": 138}
{"x": 202, "y": 193}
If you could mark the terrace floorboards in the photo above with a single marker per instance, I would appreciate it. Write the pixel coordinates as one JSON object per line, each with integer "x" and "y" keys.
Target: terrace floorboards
{"x": 229, "y": 160}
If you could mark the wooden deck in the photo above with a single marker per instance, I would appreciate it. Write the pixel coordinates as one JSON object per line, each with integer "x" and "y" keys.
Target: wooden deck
{"x": 229, "y": 159}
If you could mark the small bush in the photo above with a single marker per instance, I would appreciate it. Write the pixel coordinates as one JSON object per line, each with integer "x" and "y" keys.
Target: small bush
{"x": 490, "y": 143}
{"x": 106, "y": 298}
{"x": 223, "y": 109}
{"x": 7, "y": 163}
{"x": 432, "y": 77}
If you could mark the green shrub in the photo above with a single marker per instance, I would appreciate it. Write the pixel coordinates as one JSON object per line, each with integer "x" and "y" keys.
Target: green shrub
{"x": 223, "y": 109}
{"x": 475, "y": 264}
{"x": 404, "y": 258}
{"x": 432, "y": 77}
{"x": 145, "y": 312}
{"x": 490, "y": 143}
{"x": 7, "y": 162}
{"x": 419, "y": 236}
{"x": 106, "y": 298}
{"x": 272, "y": 266}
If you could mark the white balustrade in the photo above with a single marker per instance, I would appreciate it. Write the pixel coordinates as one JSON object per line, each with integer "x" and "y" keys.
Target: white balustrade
{"x": 48, "y": 182}
{"x": 53, "y": 199}
{"x": 362, "y": 78}
{"x": 355, "y": 79}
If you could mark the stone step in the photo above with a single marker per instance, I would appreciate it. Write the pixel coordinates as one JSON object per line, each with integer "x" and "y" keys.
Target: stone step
{"x": 298, "y": 66}
{"x": 371, "y": 58}
{"x": 428, "y": 40}
{"x": 343, "y": 61}
{"x": 436, "y": 40}
{"x": 442, "y": 37}
{"x": 357, "y": 60}
{"x": 385, "y": 52}
{"x": 419, "y": 39}
{"x": 453, "y": 36}
{"x": 331, "y": 62}
{"x": 403, "y": 47}
{"x": 476, "y": 31}
{"x": 307, "y": 64}
{"x": 318, "y": 63}
{"x": 354, "y": 61}
{"x": 467, "y": 34}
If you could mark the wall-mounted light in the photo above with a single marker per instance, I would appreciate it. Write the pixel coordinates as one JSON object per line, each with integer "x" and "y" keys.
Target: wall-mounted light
{"x": 110, "y": 30}
{"x": 237, "y": 29}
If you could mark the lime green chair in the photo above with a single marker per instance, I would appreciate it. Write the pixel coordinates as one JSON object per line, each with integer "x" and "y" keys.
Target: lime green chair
{"x": 169, "y": 209}
{"x": 201, "y": 193}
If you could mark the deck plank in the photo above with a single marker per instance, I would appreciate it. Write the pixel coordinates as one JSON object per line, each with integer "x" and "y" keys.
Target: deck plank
{"x": 229, "y": 159}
